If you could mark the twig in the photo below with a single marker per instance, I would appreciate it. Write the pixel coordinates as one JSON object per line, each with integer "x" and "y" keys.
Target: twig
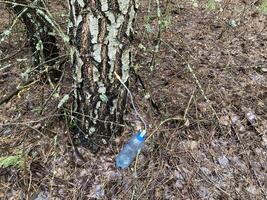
{"x": 29, "y": 82}
{"x": 10, "y": 56}
{"x": 17, "y": 91}
{"x": 188, "y": 105}
{"x": 29, "y": 186}
{"x": 7, "y": 32}
{"x": 79, "y": 158}
{"x": 52, "y": 93}
{"x": 204, "y": 175}
{"x": 163, "y": 122}
{"x": 202, "y": 92}
{"x": 157, "y": 46}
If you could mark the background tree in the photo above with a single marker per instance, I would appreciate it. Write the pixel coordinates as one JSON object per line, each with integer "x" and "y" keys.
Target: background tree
{"x": 40, "y": 32}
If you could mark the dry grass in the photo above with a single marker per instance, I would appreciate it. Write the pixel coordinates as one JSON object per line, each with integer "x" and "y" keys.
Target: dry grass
{"x": 211, "y": 142}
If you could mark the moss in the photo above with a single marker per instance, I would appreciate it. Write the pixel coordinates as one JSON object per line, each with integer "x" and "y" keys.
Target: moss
{"x": 16, "y": 160}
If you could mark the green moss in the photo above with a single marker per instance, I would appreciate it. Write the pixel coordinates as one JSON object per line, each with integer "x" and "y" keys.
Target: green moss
{"x": 16, "y": 160}
{"x": 211, "y": 5}
{"x": 263, "y": 7}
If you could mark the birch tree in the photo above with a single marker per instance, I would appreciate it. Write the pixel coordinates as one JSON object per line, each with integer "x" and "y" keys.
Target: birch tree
{"x": 100, "y": 35}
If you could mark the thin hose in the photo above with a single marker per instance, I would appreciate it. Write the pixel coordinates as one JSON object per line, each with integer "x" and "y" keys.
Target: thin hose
{"x": 132, "y": 101}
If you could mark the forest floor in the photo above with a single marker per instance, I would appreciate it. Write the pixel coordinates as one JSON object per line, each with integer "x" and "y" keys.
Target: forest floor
{"x": 205, "y": 101}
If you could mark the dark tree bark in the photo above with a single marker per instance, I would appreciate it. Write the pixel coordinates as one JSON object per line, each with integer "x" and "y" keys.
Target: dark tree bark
{"x": 100, "y": 32}
{"x": 39, "y": 31}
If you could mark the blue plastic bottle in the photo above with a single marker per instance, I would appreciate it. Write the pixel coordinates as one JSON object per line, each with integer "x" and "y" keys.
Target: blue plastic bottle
{"x": 130, "y": 150}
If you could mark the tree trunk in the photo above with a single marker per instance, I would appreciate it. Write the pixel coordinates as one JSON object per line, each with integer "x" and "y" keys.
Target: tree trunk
{"x": 39, "y": 31}
{"x": 101, "y": 35}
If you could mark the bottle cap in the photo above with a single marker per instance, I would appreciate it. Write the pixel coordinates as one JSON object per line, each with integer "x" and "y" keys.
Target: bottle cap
{"x": 140, "y": 136}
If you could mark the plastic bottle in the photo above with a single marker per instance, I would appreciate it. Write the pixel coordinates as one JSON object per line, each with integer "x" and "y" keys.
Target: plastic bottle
{"x": 130, "y": 150}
